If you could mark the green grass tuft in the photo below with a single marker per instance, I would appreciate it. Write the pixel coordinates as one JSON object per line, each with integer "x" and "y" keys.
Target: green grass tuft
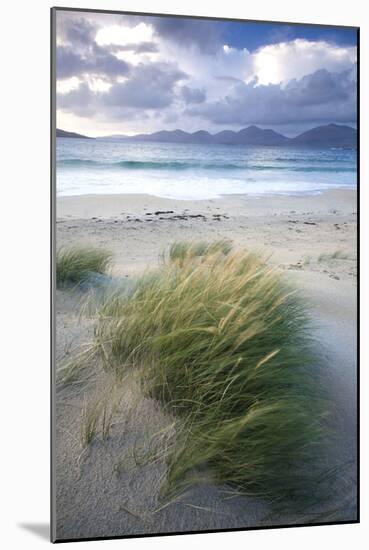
{"x": 337, "y": 255}
{"x": 181, "y": 250}
{"x": 98, "y": 413}
{"x": 75, "y": 265}
{"x": 224, "y": 343}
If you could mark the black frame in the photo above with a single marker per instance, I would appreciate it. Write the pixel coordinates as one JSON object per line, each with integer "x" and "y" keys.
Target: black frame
{"x": 53, "y": 12}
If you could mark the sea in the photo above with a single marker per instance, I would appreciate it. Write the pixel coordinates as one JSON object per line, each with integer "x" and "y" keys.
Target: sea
{"x": 193, "y": 172}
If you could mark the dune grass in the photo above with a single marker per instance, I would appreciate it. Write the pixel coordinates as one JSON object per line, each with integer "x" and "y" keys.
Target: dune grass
{"x": 224, "y": 343}
{"x": 75, "y": 265}
{"x": 98, "y": 413}
{"x": 183, "y": 250}
{"x": 337, "y": 255}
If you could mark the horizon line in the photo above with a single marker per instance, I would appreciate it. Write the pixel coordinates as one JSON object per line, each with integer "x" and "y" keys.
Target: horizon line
{"x": 349, "y": 125}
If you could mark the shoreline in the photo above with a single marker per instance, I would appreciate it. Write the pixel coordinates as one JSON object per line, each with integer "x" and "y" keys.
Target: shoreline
{"x": 72, "y": 205}
{"x": 293, "y": 231}
{"x": 260, "y": 195}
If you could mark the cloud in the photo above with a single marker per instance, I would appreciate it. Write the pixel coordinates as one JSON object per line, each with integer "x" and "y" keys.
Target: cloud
{"x": 228, "y": 79}
{"x": 115, "y": 68}
{"x": 193, "y": 95}
{"x": 186, "y": 33}
{"x": 150, "y": 86}
{"x": 323, "y": 88}
{"x": 140, "y": 47}
{"x": 123, "y": 35}
{"x": 80, "y": 101}
{"x": 67, "y": 20}
{"x": 282, "y": 62}
{"x": 97, "y": 62}
{"x": 79, "y": 54}
{"x": 321, "y": 96}
{"x": 214, "y": 74}
{"x": 79, "y": 32}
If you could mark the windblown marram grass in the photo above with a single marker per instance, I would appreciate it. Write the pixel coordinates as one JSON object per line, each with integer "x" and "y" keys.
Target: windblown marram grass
{"x": 224, "y": 343}
{"x": 75, "y": 264}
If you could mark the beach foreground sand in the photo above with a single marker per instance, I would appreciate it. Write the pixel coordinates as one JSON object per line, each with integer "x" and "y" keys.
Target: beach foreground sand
{"x": 312, "y": 239}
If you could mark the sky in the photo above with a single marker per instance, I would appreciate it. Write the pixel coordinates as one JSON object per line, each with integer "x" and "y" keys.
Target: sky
{"x": 128, "y": 74}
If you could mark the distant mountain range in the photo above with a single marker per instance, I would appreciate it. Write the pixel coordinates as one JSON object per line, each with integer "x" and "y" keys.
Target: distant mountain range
{"x": 64, "y": 134}
{"x": 248, "y": 136}
{"x": 331, "y": 135}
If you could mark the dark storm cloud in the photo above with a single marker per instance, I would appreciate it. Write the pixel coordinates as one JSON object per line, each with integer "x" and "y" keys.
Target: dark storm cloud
{"x": 193, "y": 95}
{"x": 150, "y": 86}
{"x": 79, "y": 32}
{"x": 97, "y": 62}
{"x": 80, "y": 54}
{"x": 322, "y": 87}
{"x": 206, "y": 35}
{"x": 321, "y": 96}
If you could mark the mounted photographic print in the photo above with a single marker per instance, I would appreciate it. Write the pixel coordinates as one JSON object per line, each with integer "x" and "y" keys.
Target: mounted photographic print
{"x": 204, "y": 252}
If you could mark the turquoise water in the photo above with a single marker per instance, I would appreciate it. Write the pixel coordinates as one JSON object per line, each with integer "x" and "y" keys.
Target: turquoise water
{"x": 186, "y": 171}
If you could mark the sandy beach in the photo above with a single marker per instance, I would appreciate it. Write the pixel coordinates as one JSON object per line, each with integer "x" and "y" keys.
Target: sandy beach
{"x": 311, "y": 239}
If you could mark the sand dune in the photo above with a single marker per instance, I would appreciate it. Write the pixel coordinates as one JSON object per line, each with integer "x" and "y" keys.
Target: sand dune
{"x": 299, "y": 235}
